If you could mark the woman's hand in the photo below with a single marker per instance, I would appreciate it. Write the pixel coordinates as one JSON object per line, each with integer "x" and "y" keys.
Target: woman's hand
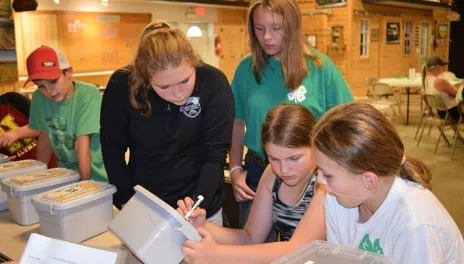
{"x": 204, "y": 252}
{"x": 198, "y": 216}
{"x": 241, "y": 190}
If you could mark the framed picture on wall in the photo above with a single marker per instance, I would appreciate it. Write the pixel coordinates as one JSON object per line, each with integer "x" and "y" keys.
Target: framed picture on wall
{"x": 442, "y": 31}
{"x": 311, "y": 40}
{"x": 330, "y": 3}
{"x": 7, "y": 34}
{"x": 5, "y": 8}
{"x": 393, "y": 33}
{"x": 374, "y": 35}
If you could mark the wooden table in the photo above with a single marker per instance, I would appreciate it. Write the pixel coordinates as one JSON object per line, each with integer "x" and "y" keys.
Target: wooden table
{"x": 13, "y": 239}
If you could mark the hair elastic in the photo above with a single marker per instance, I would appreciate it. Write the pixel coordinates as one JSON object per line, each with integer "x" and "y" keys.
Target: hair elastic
{"x": 403, "y": 159}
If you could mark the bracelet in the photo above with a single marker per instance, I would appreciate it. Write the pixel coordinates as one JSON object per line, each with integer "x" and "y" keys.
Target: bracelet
{"x": 235, "y": 168}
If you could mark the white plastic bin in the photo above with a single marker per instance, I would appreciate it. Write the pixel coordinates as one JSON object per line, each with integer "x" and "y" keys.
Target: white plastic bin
{"x": 322, "y": 252}
{"x": 3, "y": 158}
{"x": 21, "y": 189}
{"x": 17, "y": 168}
{"x": 75, "y": 212}
{"x": 152, "y": 229}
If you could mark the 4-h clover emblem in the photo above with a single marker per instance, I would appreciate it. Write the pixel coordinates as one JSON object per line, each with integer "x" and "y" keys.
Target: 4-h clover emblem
{"x": 298, "y": 95}
{"x": 367, "y": 245}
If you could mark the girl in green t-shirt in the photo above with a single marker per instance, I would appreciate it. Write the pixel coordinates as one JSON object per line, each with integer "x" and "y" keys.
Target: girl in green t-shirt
{"x": 281, "y": 69}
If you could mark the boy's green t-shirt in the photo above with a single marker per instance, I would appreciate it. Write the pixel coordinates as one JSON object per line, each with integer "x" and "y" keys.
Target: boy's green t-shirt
{"x": 322, "y": 89}
{"x": 64, "y": 122}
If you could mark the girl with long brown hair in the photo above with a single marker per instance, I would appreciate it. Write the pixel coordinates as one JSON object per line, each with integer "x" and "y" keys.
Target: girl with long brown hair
{"x": 286, "y": 190}
{"x": 280, "y": 69}
{"x": 378, "y": 198}
{"x": 175, "y": 115}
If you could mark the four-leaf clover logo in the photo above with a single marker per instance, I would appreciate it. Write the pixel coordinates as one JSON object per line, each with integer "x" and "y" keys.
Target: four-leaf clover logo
{"x": 367, "y": 245}
{"x": 298, "y": 95}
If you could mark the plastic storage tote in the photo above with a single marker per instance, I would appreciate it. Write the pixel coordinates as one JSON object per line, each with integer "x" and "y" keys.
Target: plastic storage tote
{"x": 21, "y": 189}
{"x": 75, "y": 212}
{"x": 3, "y": 158}
{"x": 318, "y": 252}
{"x": 17, "y": 168}
{"x": 152, "y": 229}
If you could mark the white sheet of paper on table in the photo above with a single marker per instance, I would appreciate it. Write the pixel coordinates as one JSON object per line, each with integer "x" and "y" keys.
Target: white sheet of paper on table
{"x": 45, "y": 250}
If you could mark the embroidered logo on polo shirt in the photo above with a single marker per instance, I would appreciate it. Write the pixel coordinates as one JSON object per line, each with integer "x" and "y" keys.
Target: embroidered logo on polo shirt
{"x": 192, "y": 108}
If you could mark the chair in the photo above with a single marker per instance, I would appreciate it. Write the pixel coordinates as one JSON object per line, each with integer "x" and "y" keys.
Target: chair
{"x": 434, "y": 102}
{"x": 382, "y": 91}
{"x": 458, "y": 135}
{"x": 370, "y": 80}
{"x": 425, "y": 113}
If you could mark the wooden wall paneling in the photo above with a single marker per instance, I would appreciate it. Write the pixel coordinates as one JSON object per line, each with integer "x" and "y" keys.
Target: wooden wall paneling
{"x": 318, "y": 26}
{"x": 390, "y": 58}
{"x": 34, "y": 30}
{"x": 91, "y": 41}
{"x": 341, "y": 17}
{"x": 100, "y": 41}
{"x": 321, "y": 25}
{"x": 363, "y": 67}
{"x": 232, "y": 31}
{"x": 442, "y": 49}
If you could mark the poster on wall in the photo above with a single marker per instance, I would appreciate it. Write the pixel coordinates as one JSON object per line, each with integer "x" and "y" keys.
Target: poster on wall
{"x": 330, "y": 3}
{"x": 393, "y": 33}
{"x": 5, "y": 8}
{"x": 311, "y": 40}
{"x": 7, "y": 34}
{"x": 442, "y": 31}
{"x": 374, "y": 35}
{"x": 7, "y": 45}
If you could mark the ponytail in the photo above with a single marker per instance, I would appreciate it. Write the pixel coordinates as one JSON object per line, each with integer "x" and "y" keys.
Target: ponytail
{"x": 415, "y": 170}
{"x": 424, "y": 74}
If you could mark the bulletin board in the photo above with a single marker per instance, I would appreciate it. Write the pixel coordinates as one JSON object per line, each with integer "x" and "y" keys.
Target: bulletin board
{"x": 91, "y": 41}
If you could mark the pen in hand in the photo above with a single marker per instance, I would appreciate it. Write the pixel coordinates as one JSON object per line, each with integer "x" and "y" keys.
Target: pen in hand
{"x": 189, "y": 213}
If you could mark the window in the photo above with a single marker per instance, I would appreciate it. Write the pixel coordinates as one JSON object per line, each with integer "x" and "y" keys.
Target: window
{"x": 423, "y": 40}
{"x": 407, "y": 37}
{"x": 364, "y": 38}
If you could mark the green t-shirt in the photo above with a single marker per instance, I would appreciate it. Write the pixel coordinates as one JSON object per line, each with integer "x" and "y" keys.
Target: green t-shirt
{"x": 322, "y": 89}
{"x": 64, "y": 122}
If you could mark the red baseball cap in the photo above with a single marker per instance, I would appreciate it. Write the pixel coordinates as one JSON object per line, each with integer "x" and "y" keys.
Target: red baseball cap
{"x": 45, "y": 63}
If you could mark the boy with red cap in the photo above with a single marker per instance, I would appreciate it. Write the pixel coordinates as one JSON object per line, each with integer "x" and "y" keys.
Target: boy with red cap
{"x": 67, "y": 113}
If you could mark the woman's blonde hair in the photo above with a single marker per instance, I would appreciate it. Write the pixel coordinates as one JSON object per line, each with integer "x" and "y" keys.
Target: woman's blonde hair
{"x": 288, "y": 125}
{"x": 294, "y": 50}
{"x": 160, "y": 47}
{"x": 359, "y": 138}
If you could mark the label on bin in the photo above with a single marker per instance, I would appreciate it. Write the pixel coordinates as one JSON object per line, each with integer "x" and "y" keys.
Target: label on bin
{"x": 39, "y": 176}
{"x": 15, "y": 165}
{"x": 73, "y": 191}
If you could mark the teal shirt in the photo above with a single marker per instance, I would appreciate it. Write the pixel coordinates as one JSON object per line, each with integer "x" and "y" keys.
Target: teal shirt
{"x": 64, "y": 122}
{"x": 322, "y": 89}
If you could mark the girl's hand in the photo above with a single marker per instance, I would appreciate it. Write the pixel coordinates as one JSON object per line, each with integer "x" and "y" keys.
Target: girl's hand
{"x": 198, "y": 216}
{"x": 204, "y": 252}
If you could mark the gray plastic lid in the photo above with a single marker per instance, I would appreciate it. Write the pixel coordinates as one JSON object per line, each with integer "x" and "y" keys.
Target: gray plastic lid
{"x": 3, "y": 158}
{"x": 40, "y": 179}
{"x": 322, "y": 252}
{"x": 184, "y": 226}
{"x": 21, "y": 167}
{"x": 72, "y": 195}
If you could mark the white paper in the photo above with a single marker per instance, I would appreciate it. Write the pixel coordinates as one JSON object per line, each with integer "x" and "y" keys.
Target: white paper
{"x": 44, "y": 250}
